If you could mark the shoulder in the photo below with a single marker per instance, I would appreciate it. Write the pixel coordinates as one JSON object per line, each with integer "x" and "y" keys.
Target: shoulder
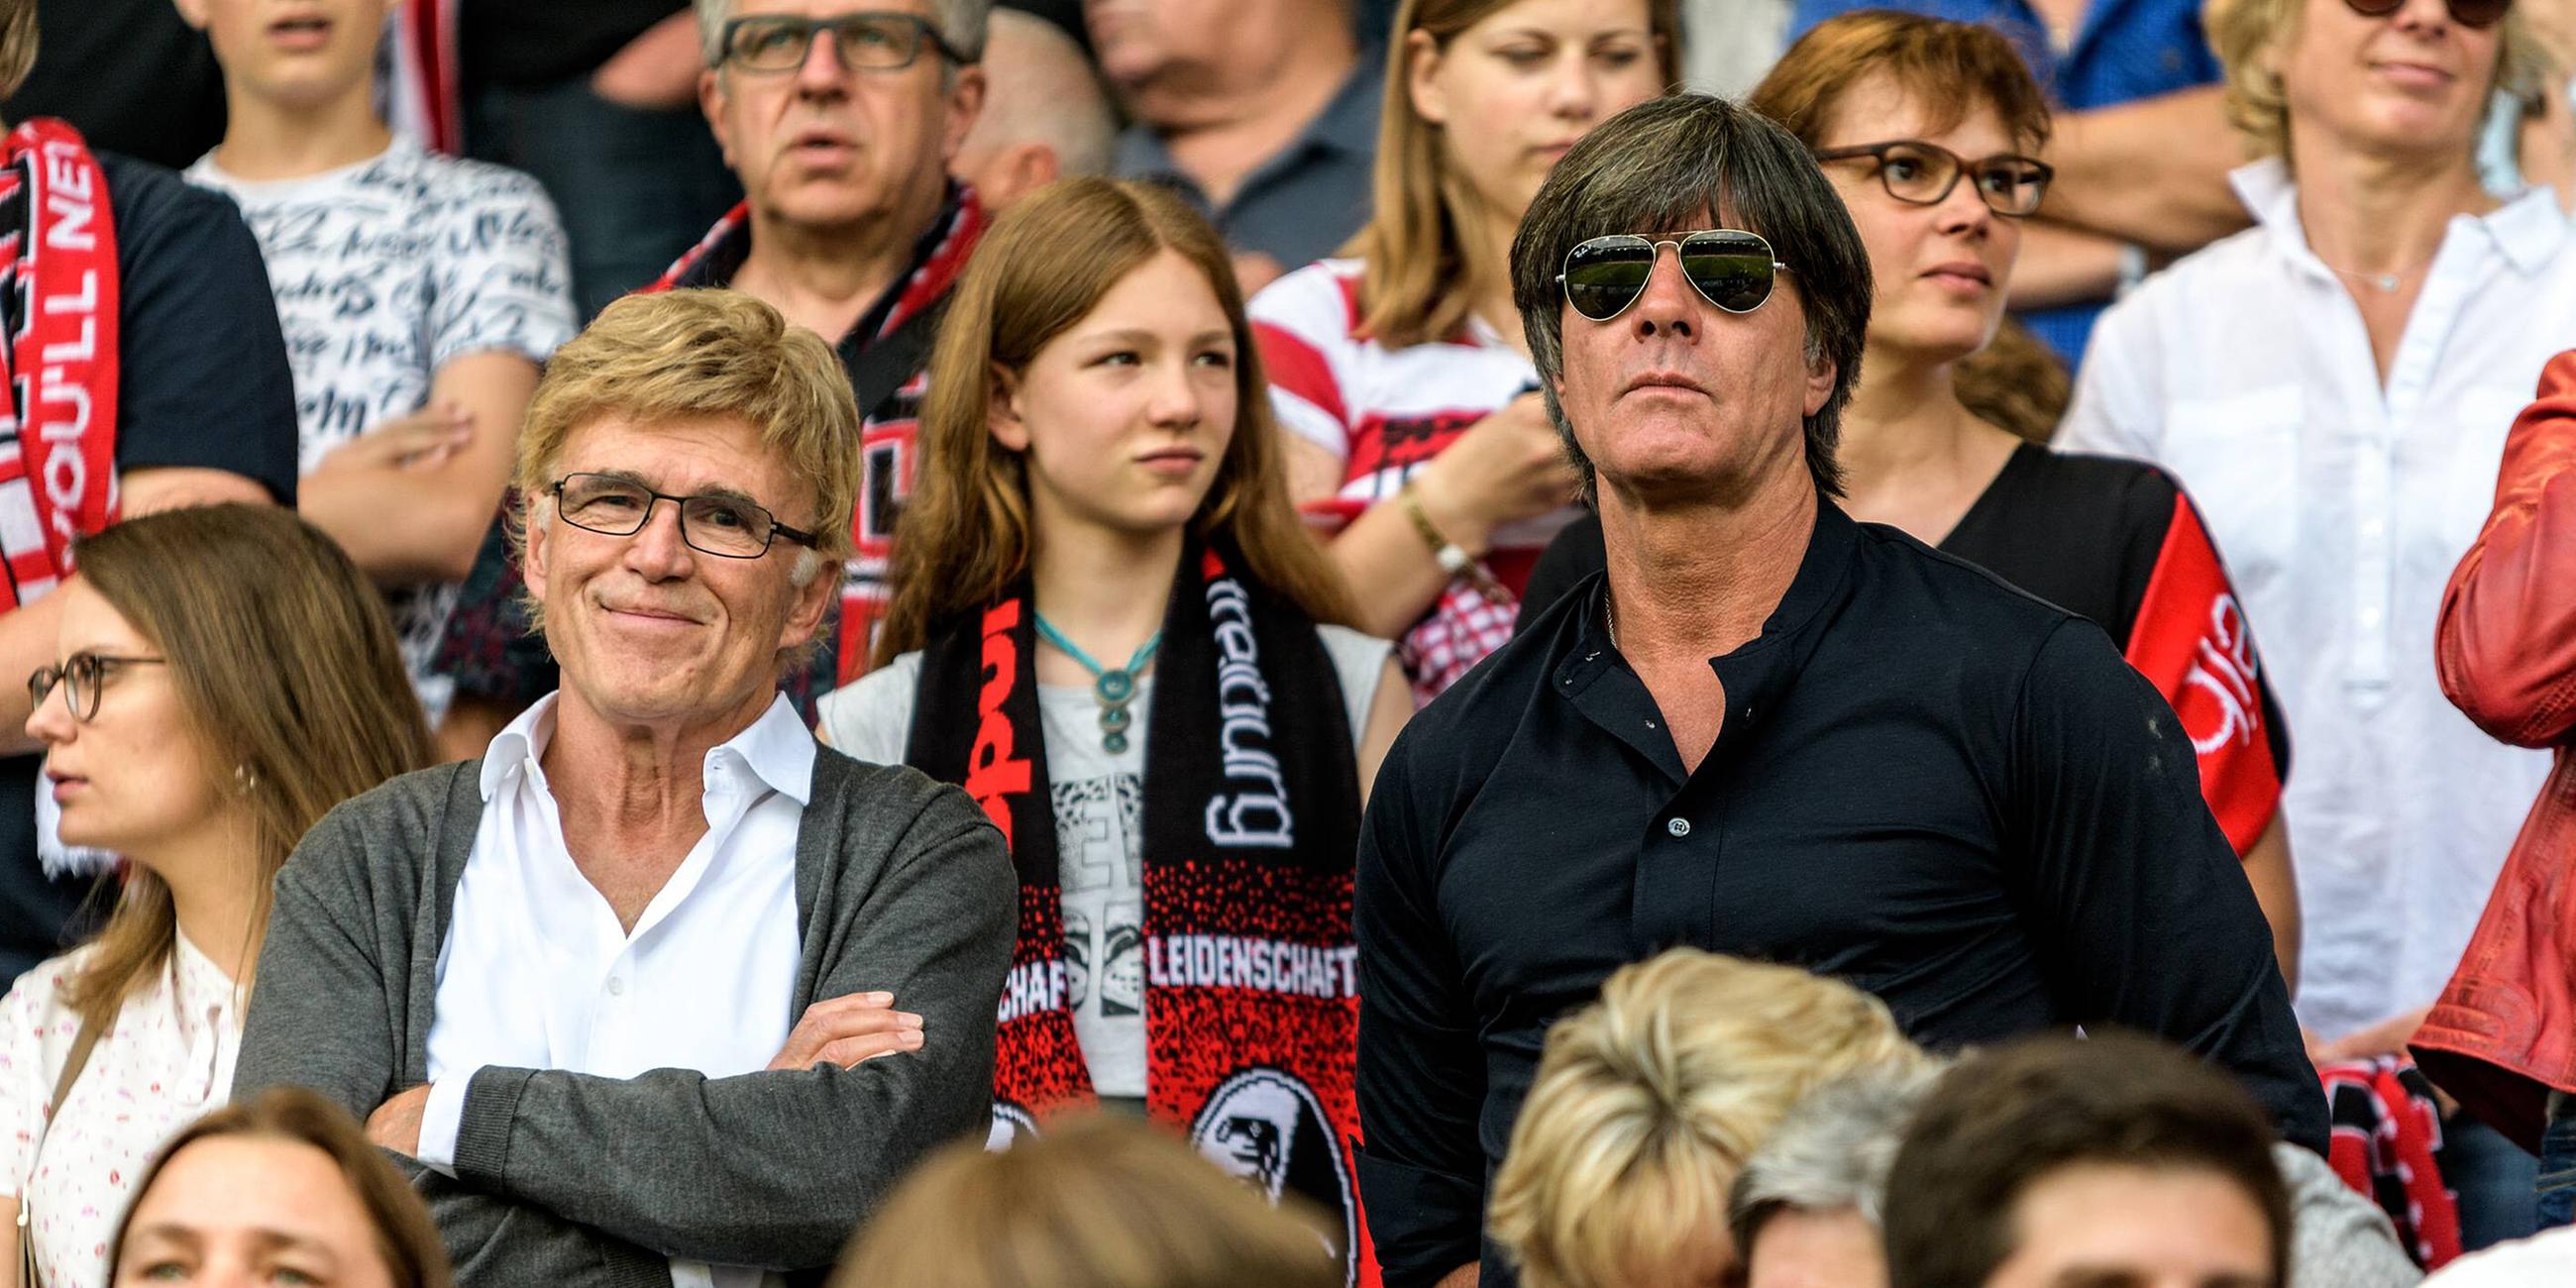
{"x": 391, "y": 828}
{"x": 154, "y": 209}
{"x": 2085, "y": 492}
{"x": 456, "y": 185}
{"x": 36, "y": 997}
{"x": 878, "y": 809}
{"x": 2201, "y": 285}
{"x": 1317, "y": 302}
{"x": 1959, "y": 596}
{"x": 870, "y": 718}
{"x": 1357, "y": 656}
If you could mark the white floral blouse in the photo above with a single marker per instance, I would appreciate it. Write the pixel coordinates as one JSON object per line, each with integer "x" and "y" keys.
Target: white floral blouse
{"x": 168, "y": 1059}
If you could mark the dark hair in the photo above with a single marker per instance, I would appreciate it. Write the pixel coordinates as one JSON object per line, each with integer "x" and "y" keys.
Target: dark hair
{"x": 2006, "y": 1118}
{"x": 1947, "y": 68}
{"x": 404, "y": 1235}
{"x": 1655, "y": 168}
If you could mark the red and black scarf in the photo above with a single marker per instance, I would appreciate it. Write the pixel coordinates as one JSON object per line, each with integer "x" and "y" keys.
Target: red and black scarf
{"x": 887, "y": 353}
{"x": 1251, "y": 814}
{"x": 58, "y": 292}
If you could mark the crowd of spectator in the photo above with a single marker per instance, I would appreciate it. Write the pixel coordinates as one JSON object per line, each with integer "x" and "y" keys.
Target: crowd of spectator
{"x": 1155, "y": 644}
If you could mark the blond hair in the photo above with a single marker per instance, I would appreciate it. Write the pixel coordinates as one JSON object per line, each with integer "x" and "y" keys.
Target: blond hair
{"x": 1414, "y": 264}
{"x": 17, "y": 44}
{"x": 683, "y": 355}
{"x": 967, "y": 533}
{"x": 2241, "y": 32}
{"x": 1648, "y": 1102}
{"x": 1095, "y": 1202}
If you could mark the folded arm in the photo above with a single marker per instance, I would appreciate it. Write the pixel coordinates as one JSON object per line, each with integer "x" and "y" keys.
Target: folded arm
{"x": 2506, "y": 644}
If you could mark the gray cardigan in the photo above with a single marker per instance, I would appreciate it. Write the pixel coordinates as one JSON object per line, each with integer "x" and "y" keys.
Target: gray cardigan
{"x": 566, "y": 1179}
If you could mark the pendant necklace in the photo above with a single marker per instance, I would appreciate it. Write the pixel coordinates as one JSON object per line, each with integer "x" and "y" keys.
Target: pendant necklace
{"x": 2384, "y": 283}
{"x": 1112, "y": 688}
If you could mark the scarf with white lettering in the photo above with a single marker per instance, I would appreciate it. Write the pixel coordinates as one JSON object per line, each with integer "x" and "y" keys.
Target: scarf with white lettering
{"x": 58, "y": 293}
{"x": 1250, "y": 816}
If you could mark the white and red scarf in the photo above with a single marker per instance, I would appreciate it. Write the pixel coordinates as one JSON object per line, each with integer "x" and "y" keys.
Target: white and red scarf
{"x": 58, "y": 292}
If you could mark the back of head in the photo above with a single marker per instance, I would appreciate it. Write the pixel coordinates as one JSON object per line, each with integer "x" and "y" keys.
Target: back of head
{"x": 1688, "y": 161}
{"x": 1947, "y": 68}
{"x": 966, "y": 532}
{"x": 2005, "y": 1119}
{"x": 1832, "y": 1151}
{"x": 399, "y": 1226}
{"x": 1041, "y": 90}
{"x": 1093, "y": 1203}
{"x": 1649, "y": 1100}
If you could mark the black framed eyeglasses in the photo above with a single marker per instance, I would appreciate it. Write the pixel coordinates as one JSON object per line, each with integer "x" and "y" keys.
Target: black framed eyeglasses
{"x": 1924, "y": 173}
{"x": 867, "y": 42}
{"x": 729, "y": 527}
{"x": 1729, "y": 267}
{"x": 2467, "y": 13}
{"x": 82, "y": 675}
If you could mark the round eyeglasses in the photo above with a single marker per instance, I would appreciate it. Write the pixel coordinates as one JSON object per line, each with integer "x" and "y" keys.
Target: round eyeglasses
{"x": 730, "y": 527}
{"x": 1923, "y": 174}
{"x": 81, "y": 676}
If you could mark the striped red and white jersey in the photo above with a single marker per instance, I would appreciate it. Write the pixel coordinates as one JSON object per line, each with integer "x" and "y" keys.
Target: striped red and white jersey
{"x": 1384, "y": 413}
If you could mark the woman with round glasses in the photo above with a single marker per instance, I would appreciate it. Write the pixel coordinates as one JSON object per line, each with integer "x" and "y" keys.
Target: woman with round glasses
{"x": 2334, "y": 386}
{"x": 225, "y": 677}
{"x": 1925, "y": 127}
{"x": 1417, "y": 435}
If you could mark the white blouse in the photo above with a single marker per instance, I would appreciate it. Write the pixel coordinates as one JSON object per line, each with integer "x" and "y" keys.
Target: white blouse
{"x": 2341, "y": 503}
{"x": 168, "y": 1059}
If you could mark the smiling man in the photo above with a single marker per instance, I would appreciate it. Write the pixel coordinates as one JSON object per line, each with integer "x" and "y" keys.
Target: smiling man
{"x": 1792, "y": 737}
{"x": 658, "y": 988}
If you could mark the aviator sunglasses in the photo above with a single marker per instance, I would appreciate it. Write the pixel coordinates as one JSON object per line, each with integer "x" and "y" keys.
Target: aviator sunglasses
{"x": 2467, "y": 13}
{"x": 1729, "y": 267}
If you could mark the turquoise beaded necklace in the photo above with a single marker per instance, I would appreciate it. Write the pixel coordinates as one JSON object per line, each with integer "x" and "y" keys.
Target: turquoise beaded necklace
{"x": 1112, "y": 688}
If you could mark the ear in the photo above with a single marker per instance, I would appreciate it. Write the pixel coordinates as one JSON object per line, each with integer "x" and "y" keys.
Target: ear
{"x": 813, "y": 601}
{"x": 711, "y": 104}
{"x": 192, "y": 12}
{"x": 1422, "y": 58}
{"x": 1821, "y": 375}
{"x": 965, "y": 103}
{"x": 1002, "y": 412}
{"x": 536, "y": 519}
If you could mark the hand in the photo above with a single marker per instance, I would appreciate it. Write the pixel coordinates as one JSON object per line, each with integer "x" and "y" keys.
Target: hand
{"x": 2388, "y": 1037}
{"x": 657, "y": 71}
{"x": 396, "y": 1123}
{"x": 1511, "y": 465}
{"x": 847, "y": 1031}
{"x": 420, "y": 440}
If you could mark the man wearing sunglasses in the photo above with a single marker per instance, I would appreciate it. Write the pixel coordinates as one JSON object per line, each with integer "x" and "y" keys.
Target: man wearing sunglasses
{"x": 657, "y": 989}
{"x": 841, "y": 118}
{"x": 1768, "y": 731}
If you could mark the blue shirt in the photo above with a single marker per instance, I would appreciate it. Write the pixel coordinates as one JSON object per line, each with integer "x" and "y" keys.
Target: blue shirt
{"x": 2127, "y": 50}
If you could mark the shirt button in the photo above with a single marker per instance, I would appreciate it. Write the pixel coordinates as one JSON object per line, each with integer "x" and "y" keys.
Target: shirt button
{"x": 1677, "y": 826}
{"x": 616, "y": 986}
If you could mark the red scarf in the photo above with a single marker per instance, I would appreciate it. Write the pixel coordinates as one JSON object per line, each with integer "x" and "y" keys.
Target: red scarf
{"x": 1251, "y": 816}
{"x": 58, "y": 290}
{"x": 2387, "y": 1147}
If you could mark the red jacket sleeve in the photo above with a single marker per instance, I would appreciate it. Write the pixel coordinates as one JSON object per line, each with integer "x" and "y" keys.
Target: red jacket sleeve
{"x": 2191, "y": 641}
{"x": 2506, "y": 645}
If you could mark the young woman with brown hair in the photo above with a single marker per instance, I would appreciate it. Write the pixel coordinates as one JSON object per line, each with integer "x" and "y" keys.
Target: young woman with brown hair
{"x": 225, "y": 677}
{"x": 1416, "y": 427}
{"x": 1111, "y": 628}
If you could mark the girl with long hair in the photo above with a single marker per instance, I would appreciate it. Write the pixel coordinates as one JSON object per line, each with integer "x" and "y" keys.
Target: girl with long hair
{"x": 1417, "y": 432}
{"x": 225, "y": 677}
{"x": 1110, "y": 626}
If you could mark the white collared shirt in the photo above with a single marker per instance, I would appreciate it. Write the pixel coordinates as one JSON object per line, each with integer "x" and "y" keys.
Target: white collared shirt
{"x": 536, "y": 972}
{"x": 2341, "y": 509}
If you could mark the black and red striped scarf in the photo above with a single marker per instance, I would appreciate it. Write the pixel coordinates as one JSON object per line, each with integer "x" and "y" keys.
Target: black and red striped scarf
{"x": 1251, "y": 820}
{"x": 890, "y": 426}
{"x": 58, "y": 366}
{"x": 2387, "y": 1145}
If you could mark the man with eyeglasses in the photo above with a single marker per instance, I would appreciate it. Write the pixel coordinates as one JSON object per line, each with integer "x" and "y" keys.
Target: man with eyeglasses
{"x": 658, "y": 989}
{"x": 841, "y": 118}
{"x": 1767, "y": 730}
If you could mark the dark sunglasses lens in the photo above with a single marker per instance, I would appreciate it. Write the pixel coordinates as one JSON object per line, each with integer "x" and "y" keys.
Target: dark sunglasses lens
{"x": 1607, "y": 274}
{"x": 1732, "y": 269}
{"x": 2479, "y": 13}
{"x": 2374, "y": 8}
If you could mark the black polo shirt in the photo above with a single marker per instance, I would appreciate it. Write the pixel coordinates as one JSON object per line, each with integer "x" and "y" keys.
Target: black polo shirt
{"x": 1929, "y": 784}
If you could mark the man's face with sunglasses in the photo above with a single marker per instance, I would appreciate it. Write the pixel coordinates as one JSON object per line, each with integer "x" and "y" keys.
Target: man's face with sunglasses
{"x": 1685, "y": 367}
{"x": 834, "y": 113}
{"x": 2376, "y": 76}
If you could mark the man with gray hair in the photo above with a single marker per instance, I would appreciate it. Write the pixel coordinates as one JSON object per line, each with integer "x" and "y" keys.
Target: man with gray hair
{"x": 1805, "y": 1212}
{"x": 1794, "y": 737}
{"x": 1045, "y": 116}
